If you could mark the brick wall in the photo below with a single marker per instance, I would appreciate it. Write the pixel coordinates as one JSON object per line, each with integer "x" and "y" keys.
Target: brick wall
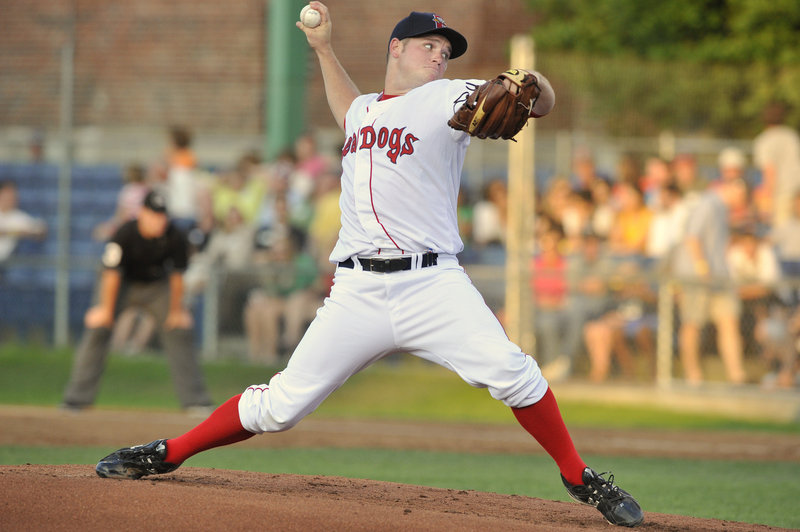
{"x": 202, "y": 62}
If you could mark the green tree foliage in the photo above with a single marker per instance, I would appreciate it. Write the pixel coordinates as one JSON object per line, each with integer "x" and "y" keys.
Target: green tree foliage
{"x": 682, "y": 64}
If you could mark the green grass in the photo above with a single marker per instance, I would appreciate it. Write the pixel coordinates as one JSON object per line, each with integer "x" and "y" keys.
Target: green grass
{"x": 755, "y": 492}
{"x": 731, "y": 490}
{"x": 406, "y": 389}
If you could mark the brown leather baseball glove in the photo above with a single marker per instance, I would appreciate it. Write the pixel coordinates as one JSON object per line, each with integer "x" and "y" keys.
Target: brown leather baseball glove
{"x": 493, "y": 111}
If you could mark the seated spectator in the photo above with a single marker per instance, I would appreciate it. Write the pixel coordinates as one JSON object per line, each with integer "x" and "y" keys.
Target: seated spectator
{"x": 230, "y": 248}
{"x": 632, "y": 315}
{"x": 323, "y": 231}
{"x": 584, "y": 172}
{"x": 129, "y": 201}
{"x": 14, "y": 223}
{"x": 310, "y": 162}
{"x": 237, "y": 188}
{"x": 657, "y": 173}
{"x": 755, "y": 271}
{"x": 667, "y": 226}
{"x": 278, "y": 311}
{"x": 577, "y": 218}
{"x": 604, "y": 211}
{"x": 687, "y": 176}
{"x": 628, "y": 236}
{"x": 732, "y": 166}
{"x": 489, "y": 221}
{"x": 557, "y": 343}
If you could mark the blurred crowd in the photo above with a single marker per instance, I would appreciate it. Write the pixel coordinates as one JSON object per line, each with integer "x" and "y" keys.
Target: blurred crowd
{"x": 605, "y": 244}
{"x": 725, "y": 240}
{"x": 263, "y": 231}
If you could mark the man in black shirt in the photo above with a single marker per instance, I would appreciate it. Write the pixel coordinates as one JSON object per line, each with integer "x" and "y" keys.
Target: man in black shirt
{"x": 143, "y": 267}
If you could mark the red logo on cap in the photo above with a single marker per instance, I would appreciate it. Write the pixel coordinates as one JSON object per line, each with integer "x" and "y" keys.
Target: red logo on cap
{"x": 439, "y": 21}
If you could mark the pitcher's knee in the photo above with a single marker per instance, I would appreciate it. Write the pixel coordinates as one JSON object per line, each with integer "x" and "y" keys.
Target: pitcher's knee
{"x": 257, "y": 412}
{"x": 520, "y": 388}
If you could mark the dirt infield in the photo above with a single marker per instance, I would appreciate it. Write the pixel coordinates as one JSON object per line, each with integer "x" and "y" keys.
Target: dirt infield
{"x": 208, "y": 499}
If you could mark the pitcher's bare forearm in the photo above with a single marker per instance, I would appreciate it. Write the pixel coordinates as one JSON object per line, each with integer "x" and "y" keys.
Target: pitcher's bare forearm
{"x": 339, "y": 88}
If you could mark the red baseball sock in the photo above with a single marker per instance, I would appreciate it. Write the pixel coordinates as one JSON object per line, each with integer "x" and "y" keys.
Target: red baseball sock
{"x": 543, "y": 421}
{"x": 221, "y": 428}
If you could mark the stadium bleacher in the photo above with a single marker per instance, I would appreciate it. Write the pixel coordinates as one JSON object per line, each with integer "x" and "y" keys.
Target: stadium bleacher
{"x": 27, "y": 287}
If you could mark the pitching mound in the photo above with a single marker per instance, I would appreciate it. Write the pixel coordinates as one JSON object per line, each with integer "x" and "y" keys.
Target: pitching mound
{"x": 72, "y": 497}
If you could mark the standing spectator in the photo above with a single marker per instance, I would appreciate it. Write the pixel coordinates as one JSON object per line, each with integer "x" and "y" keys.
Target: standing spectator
{"x": 701, "y": 261}
{"x": 787, "y": 243}
{"x": 182, "y": 187}
{"x": 129, "y": 201}
{"x": 776, "y": 152}
{"x": 14, "y": 223}
{"x": 143, "y": 267}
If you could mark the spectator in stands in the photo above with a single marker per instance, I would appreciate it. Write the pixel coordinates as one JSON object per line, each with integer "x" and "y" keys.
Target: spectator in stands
{"x": 489, "y": 221}
{"x": 278, "y": 311}
{"x": 628, "y": 236}
{"x": 310, "y": 163}
{"x": 687, "y": 176}
{"x": 787, "y": 244}
{"x": 129, "y": 201}
{"x": 732, "y": 166}
{"x": 776, "y": 152}
{"x": 239, "y": 189}
{"x": 229, "y": 249}
{"x": 577, "y": 218}
{"x": 755, "y": 271}
{"x": 15, "y": 223}
{"x": 555, "y": 200}
{"x": 667, "y": 226}
{"x": 630, "y": 314}
{"x": 184, "y": 190}
{"x": 604, "y": 211}
{"x": 657, "y": 173}
{"x": 558, "y": 343}
{"x": 584, "y": 172}
{"x": 325, "y": 223}
{"x": 143, "y": 267}
{"x": 700, "y": 261}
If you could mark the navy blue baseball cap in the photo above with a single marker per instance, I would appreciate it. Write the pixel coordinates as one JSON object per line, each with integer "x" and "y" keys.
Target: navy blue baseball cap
{"x": 417, "y": 24}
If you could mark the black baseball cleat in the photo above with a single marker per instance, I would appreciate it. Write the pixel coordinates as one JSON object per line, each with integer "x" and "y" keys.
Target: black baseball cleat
{"x": 616, "y": 504}
{"x": 136, "y": 462}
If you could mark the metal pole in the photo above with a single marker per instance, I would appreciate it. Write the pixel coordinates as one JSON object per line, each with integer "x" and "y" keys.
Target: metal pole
{"x": 664, "y": 348}
{"x": 61, "y": 310}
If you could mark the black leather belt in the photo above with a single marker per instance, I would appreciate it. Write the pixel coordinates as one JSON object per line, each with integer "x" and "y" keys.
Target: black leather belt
{"x": 394, "y": 264}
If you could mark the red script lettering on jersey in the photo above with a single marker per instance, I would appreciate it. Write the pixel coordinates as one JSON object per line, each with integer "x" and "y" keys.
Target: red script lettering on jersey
{"x": 367, "y": 138}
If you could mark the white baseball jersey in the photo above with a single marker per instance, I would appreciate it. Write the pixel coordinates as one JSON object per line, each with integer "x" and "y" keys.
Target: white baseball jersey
{"x": 401, "y": 172}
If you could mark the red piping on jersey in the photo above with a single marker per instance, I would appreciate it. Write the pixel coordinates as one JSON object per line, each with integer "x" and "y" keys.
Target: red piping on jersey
{"x": 372, "y": 201}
